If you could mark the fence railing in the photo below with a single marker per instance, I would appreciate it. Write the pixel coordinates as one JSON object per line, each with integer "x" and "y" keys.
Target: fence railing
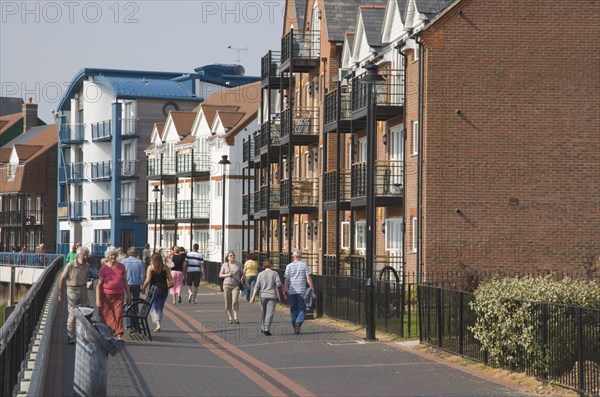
{"x": 23, "y": 259}
{"x": 569, "y": 337}
{"x": 17, "y": 332}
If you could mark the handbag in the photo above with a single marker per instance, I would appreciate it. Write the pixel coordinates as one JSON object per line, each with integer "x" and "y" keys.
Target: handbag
{"x": 170, "y": 283}
{"x": 241, "y": 285}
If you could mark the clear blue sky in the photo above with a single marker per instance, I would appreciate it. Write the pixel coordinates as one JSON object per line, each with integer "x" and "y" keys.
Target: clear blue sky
{"x": 44, "y": 43}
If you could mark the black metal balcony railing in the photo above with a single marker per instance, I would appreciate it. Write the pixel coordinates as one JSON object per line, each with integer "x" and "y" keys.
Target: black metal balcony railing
{"x": 101, "y": 170}
{"x": 256, "y": 206}
{"x": 72, "y": 210}
{"x": 271, "y": 200}
{"x": 71, "y": 133}
{"x": 247, "y": 203}
{"x": 167, "y": 210}
{"x": 248, "y": 150}
{"x": 128, "y": 168}
{"x": 330, "y": 179}
{"x": 270, "y": 133}
{"x": 199, "y": 163}
{"x": 304, "y": 192}
{"x": 201, "y": 208}
{"x": 102, "y": 130}
{"x": 74, "y": 172}
{"x": 269, "y": 65}
{"x": 303, "y": 44}
{"x": 300, "y": 121}
{"x": 337, "y": 104}
{"x": 100, "y": 208}
{"x": 154, "y": 166}
{"x": 390, "y": 93}
{"x": 128, "y": 127}
{"x": 388, "y": 178}
{"x": 18, "y": 217}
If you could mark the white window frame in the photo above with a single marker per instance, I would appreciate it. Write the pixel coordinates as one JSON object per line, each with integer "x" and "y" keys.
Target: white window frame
{"x": 219, "y": 188}
{"x": 416, "y": 136}
{"x": 345, "y": 235}
{"x": 297, "y": 234}
{"x": 218, "y": 238}
{"x": 360, "y": 236}
{"x": 393, "y": 236}
{"x": 415, "y": 236}
{"x": 307, "y": 235}
{"x": 201, "y": 237}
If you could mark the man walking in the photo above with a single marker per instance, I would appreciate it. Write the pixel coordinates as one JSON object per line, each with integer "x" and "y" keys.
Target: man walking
{"x": 297, "y": 274}
{"x": 195, "y": 272}
{"x": 75, "y": 275}
{"x": 135, "y": 278}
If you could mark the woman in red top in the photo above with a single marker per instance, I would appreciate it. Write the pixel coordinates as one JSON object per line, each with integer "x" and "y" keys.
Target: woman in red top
{"x": 110, "y": 292}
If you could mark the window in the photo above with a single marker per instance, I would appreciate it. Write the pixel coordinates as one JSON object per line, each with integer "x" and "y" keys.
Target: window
{"x": 201, "y": 190}
{"x": 396, "y": 155}
{"x": 168, "y": 239}
{"x": 65, "y": 237}
{"x": 361, "y": 235}
{"x": 393, "y": 236}
{"x": 345, "y": 235}
{"x": 307, "y": 234}
{"x": 201, "y": 238}
{"x": 415, "y": 237}
{"x": 219, "y": 188}
{"x": 101, "y": 236}
{"x": 218, "y": 238}
{"x": 297, "y": 234}
{"x": 415, "y": 136}
{"x": 362, "y": 150}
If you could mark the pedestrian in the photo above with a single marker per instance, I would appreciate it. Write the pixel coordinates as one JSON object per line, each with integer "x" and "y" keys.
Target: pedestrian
{"x": 195, "y": 272}
{"x": 231, "y": 273}
{"x": 157, "y": 275}
{"x": 120, "y": 255}
{"x": 72, "y": 255}
{"x": 177, "y": 271}
{"x": 146, "y": 255}
{"x": 111, "y": 291}
{"x": 297, "y": 274}
{"x": 135, "y": 278}
{"x": 75, "y": 276}
{"x": 267, "y": 283}
{"x": 250, "y": 273}
{"x": 40, "y": 257}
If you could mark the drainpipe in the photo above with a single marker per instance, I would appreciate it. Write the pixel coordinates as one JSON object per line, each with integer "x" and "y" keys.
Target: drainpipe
{"x": 420, "y": 165}
{"x": 404, "y": 125}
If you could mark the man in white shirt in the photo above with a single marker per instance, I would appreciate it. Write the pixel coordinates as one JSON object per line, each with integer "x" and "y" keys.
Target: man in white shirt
{"x": 297, "y": 274}
{"x": 195, "y": 271}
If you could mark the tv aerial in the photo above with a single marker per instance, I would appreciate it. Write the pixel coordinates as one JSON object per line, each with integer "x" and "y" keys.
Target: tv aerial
{"x": 238, "y": 50}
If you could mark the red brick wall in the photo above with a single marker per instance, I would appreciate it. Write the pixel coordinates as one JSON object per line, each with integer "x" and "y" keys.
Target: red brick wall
{"x": 511, "y": 136}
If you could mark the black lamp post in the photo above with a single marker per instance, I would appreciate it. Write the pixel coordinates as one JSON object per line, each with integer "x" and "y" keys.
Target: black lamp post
{"x": 155, "y": 193}
{"x": 224, "y": 162}
{"x": 371, "y": 79}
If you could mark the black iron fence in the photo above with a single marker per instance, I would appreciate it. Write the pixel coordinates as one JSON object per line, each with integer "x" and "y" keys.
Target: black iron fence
{"x": 19, "y": 328}
{"x": 568, "y": 336}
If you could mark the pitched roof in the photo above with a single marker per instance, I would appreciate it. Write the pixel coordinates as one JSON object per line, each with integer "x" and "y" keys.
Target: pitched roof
{"x": 341, "y": 15}
{"x": 183, "y": 121}
{"x": 5, "y": 154}
{"x": 229, "y": 119}
{"x": 8, "y": 121}
{"x": 210, "y": 111}
{"x": 300, "y": 6}
{"x": 431, "y": 7}
{"x": 10, "y": 105}
{"x": 24, "y": 152}
{"x": 372, "y": 17}
{"x": 160, "y": 127}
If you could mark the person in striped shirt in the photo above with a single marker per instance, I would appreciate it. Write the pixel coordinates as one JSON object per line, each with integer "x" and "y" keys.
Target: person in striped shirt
{"x": 297, "y": 275}
{"x": 195, "y": 271}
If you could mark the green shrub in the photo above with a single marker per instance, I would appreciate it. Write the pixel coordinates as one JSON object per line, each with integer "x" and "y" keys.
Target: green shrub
{"x": 508, "y": 322}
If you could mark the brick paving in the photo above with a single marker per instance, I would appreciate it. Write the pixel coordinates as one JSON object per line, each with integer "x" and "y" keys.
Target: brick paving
{"x": 199, "y": 354}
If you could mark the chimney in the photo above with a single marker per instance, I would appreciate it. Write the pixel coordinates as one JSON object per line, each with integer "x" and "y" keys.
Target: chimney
{"x": 30, "y": 115}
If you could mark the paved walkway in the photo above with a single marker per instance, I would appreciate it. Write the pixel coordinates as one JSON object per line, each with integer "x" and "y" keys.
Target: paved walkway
{"x": 198, "y": 353}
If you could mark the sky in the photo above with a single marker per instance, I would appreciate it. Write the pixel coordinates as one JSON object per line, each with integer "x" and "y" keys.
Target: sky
{"x": 43, "y": 44}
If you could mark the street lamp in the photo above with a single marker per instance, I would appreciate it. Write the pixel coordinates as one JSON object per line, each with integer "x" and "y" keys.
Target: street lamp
{"x": 155, "y": 193}
{"x": 371, "y": 79}
{"x": 224, "y": 162}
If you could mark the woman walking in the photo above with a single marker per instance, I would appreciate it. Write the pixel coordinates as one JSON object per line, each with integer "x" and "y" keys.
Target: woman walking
{"x": 250, "y": 273}
{"x": 177, "y": 271}
{"x": 231, "y": 273}
{"x": 110, "y": 292}
{"x": 157, "y": 275}
{"x": 266, "y": 284}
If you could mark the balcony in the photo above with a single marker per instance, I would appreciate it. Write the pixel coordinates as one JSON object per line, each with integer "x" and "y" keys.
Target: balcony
{"x": 101, "y": 132}
{"x": 201, "y": 209}
{"x": 186, "y": 165}
{"x": 100, "y": 209}
{"x": 248, "y": 152}
{"x": 270, "y": 71}
{"x": 11, "y": 218}
{"x": 101, "y": 171}
{"x": 70, "y": 134}
{"x": 247, "y": 205}
{"x": 303, "y": 196}
{"x": 388, "y": 183}
{"x": 267, "y": 141}
{"x": 268, "y": 199}
{"x": 166, "y": 212}
{"x": 72, "y": 211}
{"x": 128, "y": 129}
{"x": 127, "y": 207}
{"x": 166, "y": 164}
{"x": 300, "y": 51}
{"x": 389, "y": 96}
{"x": 300, "y": 126}
{"x": 73, "y": 173}
{"x": 332, "y": 195}
{"x": 338, "y": 110}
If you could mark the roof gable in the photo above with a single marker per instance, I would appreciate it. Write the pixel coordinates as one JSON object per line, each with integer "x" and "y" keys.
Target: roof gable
{"x": 343, "y": 14}
{"x": 393, "y": 25}
{"x": 368, "y": 32}
{"x": 347, "y": 60}
{"x": 24, "y": 152}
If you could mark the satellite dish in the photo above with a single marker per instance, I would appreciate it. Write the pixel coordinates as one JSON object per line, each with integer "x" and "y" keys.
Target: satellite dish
{"x": 239, "y": 70}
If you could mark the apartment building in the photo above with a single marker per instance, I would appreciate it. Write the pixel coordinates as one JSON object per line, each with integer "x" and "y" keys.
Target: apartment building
{"x": 27, "y": 181}
{"x": 468, "y": 130}
{"x": 193, "y": 196}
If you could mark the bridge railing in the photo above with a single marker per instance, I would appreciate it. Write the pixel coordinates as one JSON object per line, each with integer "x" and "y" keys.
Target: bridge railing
{"x": 17, "y": 332}
{"x": 23, "y": 259}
